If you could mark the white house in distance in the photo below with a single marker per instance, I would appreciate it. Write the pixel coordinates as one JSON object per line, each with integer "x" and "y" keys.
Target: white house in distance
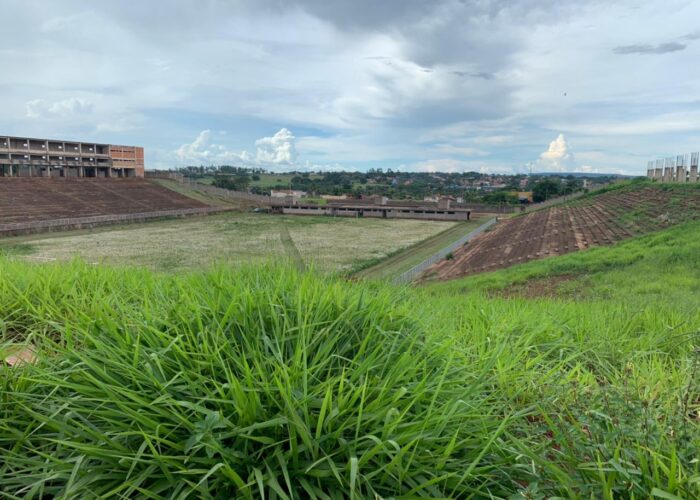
{"x": 334, "y": 197}
{"x": 285, "y": 193}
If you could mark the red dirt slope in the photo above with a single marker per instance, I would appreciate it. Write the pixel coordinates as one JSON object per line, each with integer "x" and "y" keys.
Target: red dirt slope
{"x": 597, "y": 220}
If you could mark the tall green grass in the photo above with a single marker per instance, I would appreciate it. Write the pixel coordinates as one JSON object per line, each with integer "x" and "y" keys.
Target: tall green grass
{"x": 618, "y": 389}
{"x": 268, "y": 382}
{"x": 260, "y": 382}
{"x": 615, "y": 389}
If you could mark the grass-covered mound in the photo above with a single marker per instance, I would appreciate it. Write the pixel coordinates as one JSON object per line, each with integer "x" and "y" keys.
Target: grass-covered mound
{"x": 234, "y": 384}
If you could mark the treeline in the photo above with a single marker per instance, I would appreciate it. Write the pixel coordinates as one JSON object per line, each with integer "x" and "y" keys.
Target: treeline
{"x": 470, "y": 186}
{"x": 545, "y": 188}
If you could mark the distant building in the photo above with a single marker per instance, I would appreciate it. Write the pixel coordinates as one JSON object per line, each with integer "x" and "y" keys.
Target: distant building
{"x": 489, "y": 187}
{"x": 334, "y": 197}
{"x": 284, "y": 193}
{"x": 377, "y": 211}
{"x": 525, "y": 196}
{"x": 27, "y": 157}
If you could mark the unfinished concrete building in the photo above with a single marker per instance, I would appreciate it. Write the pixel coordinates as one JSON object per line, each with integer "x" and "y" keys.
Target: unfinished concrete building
{"x": 377, "y": 211}
{"x": 681, "y": 169}
{"x": 27, "y": 157}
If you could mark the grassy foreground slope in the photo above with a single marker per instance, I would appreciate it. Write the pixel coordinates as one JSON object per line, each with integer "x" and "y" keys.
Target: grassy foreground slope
{"x": 235, "y": 383}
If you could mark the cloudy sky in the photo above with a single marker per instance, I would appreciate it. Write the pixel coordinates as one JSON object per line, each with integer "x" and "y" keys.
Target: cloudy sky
{"x": 447, "y": 85}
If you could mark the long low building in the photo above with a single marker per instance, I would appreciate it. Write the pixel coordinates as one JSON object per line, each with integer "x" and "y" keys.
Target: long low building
{"x": 27, "y": 157}
{"x": 378, "y": 211}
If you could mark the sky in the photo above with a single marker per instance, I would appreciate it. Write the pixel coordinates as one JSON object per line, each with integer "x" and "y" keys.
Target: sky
{"x": 443, "y": 85}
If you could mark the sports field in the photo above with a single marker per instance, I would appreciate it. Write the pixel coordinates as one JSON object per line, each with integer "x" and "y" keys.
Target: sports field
{"x": 324, "y": 243}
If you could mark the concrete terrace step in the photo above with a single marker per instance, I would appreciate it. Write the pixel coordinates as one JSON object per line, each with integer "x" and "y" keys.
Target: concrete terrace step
{"x": 27, "y": 200}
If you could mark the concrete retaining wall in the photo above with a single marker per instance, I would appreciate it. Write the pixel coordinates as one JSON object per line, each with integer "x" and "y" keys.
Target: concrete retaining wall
{"x": 48, "y": 226}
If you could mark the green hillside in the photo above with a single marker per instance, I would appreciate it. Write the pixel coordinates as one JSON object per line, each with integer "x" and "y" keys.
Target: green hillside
{"x": 573, "y": 377}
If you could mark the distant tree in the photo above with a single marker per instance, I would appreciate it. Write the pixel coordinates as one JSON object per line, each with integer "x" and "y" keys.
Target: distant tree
{"x": 545, "y": 189}
{"x": 571, "y": 185}
{"x": 242, "y": 181}
{"x": 501, "y": 197}
{"x": 238, "y": 182}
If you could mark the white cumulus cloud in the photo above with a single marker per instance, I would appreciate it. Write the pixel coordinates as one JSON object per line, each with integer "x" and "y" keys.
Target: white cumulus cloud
{"x": 39, "y": 108}
{"x": 278, "y": 149}
{"x": 203, "y": 150}
{"x": 452, "y": 165}
{"x": 272, "y": 152}
{"x": 558, "y": 157}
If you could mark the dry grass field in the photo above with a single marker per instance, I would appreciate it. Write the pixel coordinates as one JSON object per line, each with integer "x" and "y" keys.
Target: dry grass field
{"x": 325, "y": 243}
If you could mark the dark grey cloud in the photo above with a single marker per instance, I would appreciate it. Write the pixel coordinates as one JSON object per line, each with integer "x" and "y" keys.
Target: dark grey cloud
{"x": 372, "y": 14}
{"x": 428, "y": 113}
{"x": 662, "y": 48}
{"x": 695, "y": 35}
{"x": 368, "y": 15}
{"x": 478, "y": 74}
{"x": 487, "y": 32}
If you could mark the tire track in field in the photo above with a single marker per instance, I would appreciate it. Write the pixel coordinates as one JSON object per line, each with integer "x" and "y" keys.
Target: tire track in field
{"x": 291, "y": 249}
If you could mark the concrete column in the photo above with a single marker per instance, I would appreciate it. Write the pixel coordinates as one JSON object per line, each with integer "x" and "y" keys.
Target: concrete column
{"x": 680, "y": 174}
{"x": 694, "y": 160}
{"x": 650, "y": 170}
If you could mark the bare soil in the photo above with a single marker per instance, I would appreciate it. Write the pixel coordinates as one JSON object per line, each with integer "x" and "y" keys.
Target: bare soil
{"x": 595, "y": 221}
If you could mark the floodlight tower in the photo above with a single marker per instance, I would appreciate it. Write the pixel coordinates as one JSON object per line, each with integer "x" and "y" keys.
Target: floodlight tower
{"x": 528, "y": 165}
